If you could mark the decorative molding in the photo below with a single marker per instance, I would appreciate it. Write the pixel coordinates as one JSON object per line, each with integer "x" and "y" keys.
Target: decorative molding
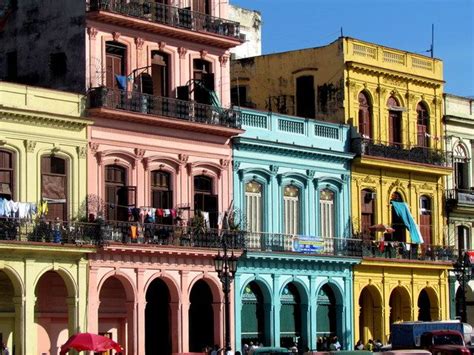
{"x": 93, "y": 147}
{"x": 394, "y": 81}
{"x": 223, "y": 59}
{"x": 139, "y": 42}
{"x": 30, "y": 145}
{"x": 203, "y": 53}
{"x": 182, "y": 52}
{"x": 369, "y": 180}
{"x": 98, "y": 157}
{"x": 92, "y": 32}
{"x": 74, "y": 124}
{"x": 274, "y": 169}
{"x": 82, "y": 151}
{"x": 146, "y": 163}
{"x": 235, "y": 165}
{"x": 161, "y": 45}
{"x": 224, "y": 163}
{"x": 310, "y": 173}
{"x": 139, "y": 153}
{"x": 116, "y": 35}
{"x": 183, "y": 158}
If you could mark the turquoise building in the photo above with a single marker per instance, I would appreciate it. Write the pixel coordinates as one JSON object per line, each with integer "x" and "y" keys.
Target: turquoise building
{"x": 292, "y": 189}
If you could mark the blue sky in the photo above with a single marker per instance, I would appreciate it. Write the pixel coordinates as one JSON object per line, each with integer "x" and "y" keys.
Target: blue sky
{"x": 402, "y": 24}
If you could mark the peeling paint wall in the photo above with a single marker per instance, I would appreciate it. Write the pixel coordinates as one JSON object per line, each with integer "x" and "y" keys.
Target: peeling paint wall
{"x": 251, "y": 27}
{"x": 46, "y": 58}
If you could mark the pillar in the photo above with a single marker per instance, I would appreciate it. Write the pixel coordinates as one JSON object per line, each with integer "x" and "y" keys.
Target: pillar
{"x": 19, "y": 330}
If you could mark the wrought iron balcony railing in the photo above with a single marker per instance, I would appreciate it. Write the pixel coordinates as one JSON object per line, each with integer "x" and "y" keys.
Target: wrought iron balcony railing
{"x": 109, "y": 232}
{"x": 163, "y": 106}
{"x": 463, "y": 197}
{"x": 375, "y": 148}
{"x": 173, "y": 16}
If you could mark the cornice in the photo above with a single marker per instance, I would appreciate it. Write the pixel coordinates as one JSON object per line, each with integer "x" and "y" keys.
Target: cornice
{"x": 40, "y": 119}
{"x": 460, "y": 120}
{"x": 367, "y": 68}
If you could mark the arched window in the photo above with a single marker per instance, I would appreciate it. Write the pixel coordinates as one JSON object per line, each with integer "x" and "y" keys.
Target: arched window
{"x": 367, "y": 211}
{"x": 423, "y": 125}
{"x": 291, "y": 210}
{"x": 118, "y": 196}
{"x": 464, "y": 239}
{"x": 54, "y": 185}
{"x": 461, "y": 167}
{"x": 397, "y": 222}
{"x": 394, "y": 122}
{"x": 326, "y": 206}
{"x": 7, "y": 173}
{"x": 253, "y": 206}
{"x": 425, "y": 219}
{"x": 205, "y": 201}
{"x": 162, "y": 193}
{"x": 365, "y": 116}
{"x": 115, "y": 60}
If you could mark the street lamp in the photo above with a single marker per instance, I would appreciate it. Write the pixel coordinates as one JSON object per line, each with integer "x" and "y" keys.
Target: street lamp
{"x": 226, "y": 266}
{"x": 462, "y": 270}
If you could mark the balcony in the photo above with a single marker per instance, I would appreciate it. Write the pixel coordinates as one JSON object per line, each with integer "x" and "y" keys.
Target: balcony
{"x": 163, "y": 107}
{"x": 173, "y": 21}
{"x": 114, "y": 232}
{"x": 396, "y": 151}
{"x": 460, "y": 198}
{"x": 348, "y": 247}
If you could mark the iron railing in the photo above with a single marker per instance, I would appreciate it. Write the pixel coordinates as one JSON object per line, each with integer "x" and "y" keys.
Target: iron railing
{"x": 163, "y": 106}
{"x": 169, "y": 15}
{"x": 460, "y": 196}
{"x": 417, "y": 154}
{"x": 109, "y": 232}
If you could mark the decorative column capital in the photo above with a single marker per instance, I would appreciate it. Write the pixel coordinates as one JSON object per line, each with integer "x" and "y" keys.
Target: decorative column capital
{"x": 30, "y": 145}
{"x": 92, "y": 32}
{"x": 203, "y": 53}
{"x": 235, "y": 165}
{"x": 183, "y": 158}
{"x": 139, "y": 42}
{"x": 161, "y": 45}
{"x": 223, "y": 59}
{"x": 82, "y": 151}
{"x": 116, "y": 35}
{"x": 93, "y": 147}
{"x": 182, "y": 52}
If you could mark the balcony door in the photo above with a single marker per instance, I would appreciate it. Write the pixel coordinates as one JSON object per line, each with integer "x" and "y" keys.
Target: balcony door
{"x": 423, "y": 125}
{"x": 205, "y": 201}
{"x": 54, "y": 178}
{"x": 118, "y": 196}
{"x": 202, "y": 6}
{"x": 115, "y": 55}
{"x": 461, "y": 168}
{"x": 6, "y": 174}
{"x": 365, "y": 119}
{"x": 326, "y": 204}
{"x": 397, "y": 223}
{"x": 204, "y": 81}
{"x": 162, "y": 194}
{"x": 291, "y": 209}
{"x": 425, "y": 219}
{"x": 367, "y": 212}
{"x": 394, "y": 122}
{"x": 160, "y": 73}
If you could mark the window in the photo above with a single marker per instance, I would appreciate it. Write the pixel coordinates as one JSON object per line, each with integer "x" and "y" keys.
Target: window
{"x": 202, "y": 6}
{"x": 54, "y": 179}
{"x": 365, "y": 116}
{"x": 204, "y": 81}
{"x": 423, "y": 125}
{"x": 118, "y": 196}
{"x": 461, "y": 168}
{"x": 305, "y": 96}
{"x": 12, "y": 66}
{"x": 6, "y": 174}
{"x": 253, "y": 205}
{"x": 160, "y": 72}
{"x": 291, "y": 203}
{"x": 367, "y": 212}
{"x": 115, "y": 54}
{"x": 326, "y": 205}
{"x": 238, "y": 96}
{"x": 58, "y": 64}
{"x": 397, "y": 222}
{"x": 161, "y": 192}
{"x": 464, "y": 241}
{"x": 205, "y": 201}
{"x": 394, "y": 122}
{"x": 425, "y": 219}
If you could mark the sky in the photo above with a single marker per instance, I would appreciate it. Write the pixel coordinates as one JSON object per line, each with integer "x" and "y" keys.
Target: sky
{"x": 401, "y": 24}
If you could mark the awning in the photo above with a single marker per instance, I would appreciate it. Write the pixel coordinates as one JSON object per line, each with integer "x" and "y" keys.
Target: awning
{"x": 402, "y": 211}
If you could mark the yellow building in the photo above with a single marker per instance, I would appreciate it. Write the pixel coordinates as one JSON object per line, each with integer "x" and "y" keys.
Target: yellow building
{"x": 393, "y": 100}
{"x": 43, "y": 262}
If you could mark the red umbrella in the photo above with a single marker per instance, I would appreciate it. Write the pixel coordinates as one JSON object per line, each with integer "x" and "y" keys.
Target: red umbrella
{"x": 89, "y": 341}
{"x": 385, "y": 228}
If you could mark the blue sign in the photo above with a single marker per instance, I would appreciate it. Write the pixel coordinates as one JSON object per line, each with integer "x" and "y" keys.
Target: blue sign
{"x": 308, "y": 244}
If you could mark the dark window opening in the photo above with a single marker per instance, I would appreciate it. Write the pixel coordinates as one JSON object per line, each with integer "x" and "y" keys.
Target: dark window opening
{"x": 118, "y": 196}
{"x": 115, "y": 54}
{"x": 54, "y": 178}
{"x": 397, "y": 222}
{"x": 162, "y": 194}
{"x": 58, "y": 64}
{"x": 365, "y": 116}
{"x": 160, "y": 73}
{"x": 305, "y": 97}
{"x": 204, "y": 78}
{"x": 464, "y": 241}
{"x": 7, "y": 171}
{"x": 12, "y": 66}
{"x": 367, "y": 212}
{"x": 461, "y": 175}
{"x": 423, "y": 125}
{"x": 204, "y": 200}
{"x": 238, "y": 96}
{"x": 425, "y": 219}
{"x": 394, "y": 122}
{"x": 202, "y": 6}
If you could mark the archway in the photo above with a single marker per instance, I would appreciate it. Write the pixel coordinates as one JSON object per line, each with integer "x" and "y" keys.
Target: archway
{"x": 424, "y": 307}
{"x": 253, "y": 315}
{"x": 370, "y": 317}
{"x": 51, "y": 313}
{"x": 290, "y": 315}
{"x": 400, "y": 309}
{"x": 116, "y": 312}
{"x": 201, "y": 317}
{"x": 158, "y": 319}
{"x": 326, "y": 316}
{"x": 7, "y": 309}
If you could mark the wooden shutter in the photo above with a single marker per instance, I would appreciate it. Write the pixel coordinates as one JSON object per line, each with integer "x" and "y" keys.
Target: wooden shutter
{"x": 425, "y": 228}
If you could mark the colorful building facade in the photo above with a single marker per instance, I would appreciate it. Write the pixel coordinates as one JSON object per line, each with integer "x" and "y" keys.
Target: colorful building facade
{"x": 43, "y": 149}
{"x": 393, "y": 100}
{"x": 292, "y": 188}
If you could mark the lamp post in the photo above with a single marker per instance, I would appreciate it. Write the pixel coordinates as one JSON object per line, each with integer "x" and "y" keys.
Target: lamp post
{"x": 226, "y": 266}
{"x": 462, "y": 270}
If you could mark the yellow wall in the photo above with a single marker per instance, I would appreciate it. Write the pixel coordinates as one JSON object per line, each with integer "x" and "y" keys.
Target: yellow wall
{"x": 36, "y": 121}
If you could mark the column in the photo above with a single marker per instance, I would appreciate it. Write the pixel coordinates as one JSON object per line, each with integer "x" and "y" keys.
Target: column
{"x": 311, "y": 213}
{"x": 72, "y": 315}
{"x": 94, "y": 303}
{"x": 141, "y": 304}
{"x": 217, "y": 310}
{"x": 276, "y": 311}
{"x": 348, "y": 312}
{"x": 175, "y": 322}
{"x": 30, "y": 301}
{"x": 237, "y": 314}
{"x": 131, "y": 307}
{"x": 184, "y": 311}
{"x": 312, "y": 312}
{"x": 19, "y": 329}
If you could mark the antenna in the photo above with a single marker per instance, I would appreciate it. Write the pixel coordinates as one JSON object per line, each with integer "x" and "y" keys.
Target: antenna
{"x": 432, "y": 40}
{"x": 342, "y": 34}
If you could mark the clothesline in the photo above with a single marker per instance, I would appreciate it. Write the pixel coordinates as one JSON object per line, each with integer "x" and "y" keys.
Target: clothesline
{"x": 22, "y": 210}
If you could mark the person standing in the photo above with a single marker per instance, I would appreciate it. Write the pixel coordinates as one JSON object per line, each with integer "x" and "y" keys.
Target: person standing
{"x": 5, "y": 350}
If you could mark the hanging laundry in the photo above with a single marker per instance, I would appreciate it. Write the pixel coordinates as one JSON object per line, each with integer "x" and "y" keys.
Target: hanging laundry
{"x": 23, "y": 209}
{"x": 152, "y": 214}
{"x": 205, "y": 216}
{"x": 2, "y": 206}
{"x": 159, "y": 212}
{"x": 13, "y": 207}
{"x": 173, "y": 213}
{"x": 166, "y": 213}
{"x": 133, "y": 231}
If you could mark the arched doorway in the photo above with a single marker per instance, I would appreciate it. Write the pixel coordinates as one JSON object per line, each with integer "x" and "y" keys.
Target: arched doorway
{"x": 116, "y": 312}
{"x": 424, "y": 307}
{"x": 7, "y": 309}
{"x": 253, "y": 315}
{"x": 400, "y": 309}
{"x": 51, "y": 313}
{"x": 290, "y": 316}
{"x": 201, "y": 317}
{"x": 326, "y": 314}
{"x": 158, "y": 319}
{"x": 370, "y": 317}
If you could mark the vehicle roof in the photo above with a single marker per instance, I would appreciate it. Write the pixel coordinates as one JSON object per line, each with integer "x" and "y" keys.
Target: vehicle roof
{"x": 444, "y": 332}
